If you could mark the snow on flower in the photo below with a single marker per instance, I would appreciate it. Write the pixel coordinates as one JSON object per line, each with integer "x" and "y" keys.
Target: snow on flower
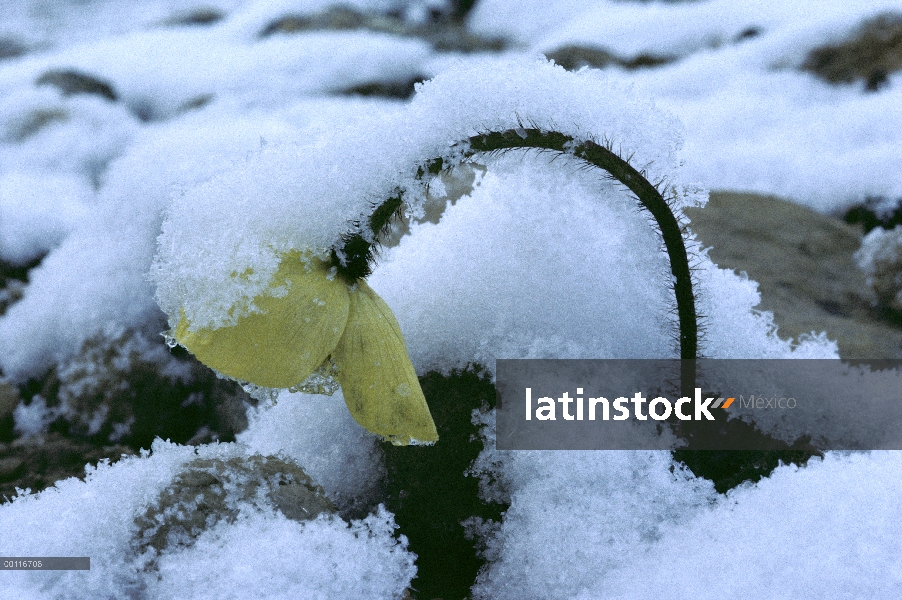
{"x": 311, "y": 317}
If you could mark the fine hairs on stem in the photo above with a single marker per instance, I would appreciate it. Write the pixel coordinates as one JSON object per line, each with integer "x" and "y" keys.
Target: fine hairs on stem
{"x": 355, "y": 257}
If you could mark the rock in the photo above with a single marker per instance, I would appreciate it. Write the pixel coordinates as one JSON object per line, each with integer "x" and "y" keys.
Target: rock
{"x": 195, "y": 103}
{"x": 869, "y": 55}
{"x": 48, "y": 459}
{"x": 11, "y": 293}
{"x": 386, "y": 89}
{"x": 446, "y": 37}
{"x": 125, "y": 387}
{"x": 747, "y": 34}
{"x": 10, "y": 48}
{"x": 13, "y": 279}
{"x": 70, "y": 81}
{"x": 460, "y": 8}
{"x": 573, "y": 58}
{"x": 209, "y": 490}
{"x": 9, "y": 400}
{"x": 118, "y": 394}
{"x": 336, "y": 18}
{"x": 14, "y": 272}
{"x": 198, "y": 16}
{"x": 34, "y": 121}
{"x": 456, "y": 38}
{"x": 876, "y": 212}
{"x": 804, "y": 264}
{"x": 11, "y": 467}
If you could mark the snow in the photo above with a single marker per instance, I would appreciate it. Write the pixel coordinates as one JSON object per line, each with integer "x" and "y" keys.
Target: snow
{"x": 880, "y": 259}
{"x": 336, "y": 440}
{"x": 754, "y": 122}
{"x": 579, "y": 289}
{"x": 261, "y": 552}
{"x": 275, "y": 557}
{"x": 621, "y": 524}
{"x": 825, "y": 531}
{"x": 279, "y": 201}
{"x": 98, "y": 277}
{"x": 33, "y": 419}
{"x": 79, "y": 135}
{"x": 39, "y": 212}
{"x": 224, "y": 150}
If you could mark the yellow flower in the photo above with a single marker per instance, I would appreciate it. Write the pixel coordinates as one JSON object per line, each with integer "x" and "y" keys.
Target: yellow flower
{"x": 322, "y": 318}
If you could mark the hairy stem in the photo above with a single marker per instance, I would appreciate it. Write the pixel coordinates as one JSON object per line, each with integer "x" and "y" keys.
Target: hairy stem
{"x": 356, "y": 255}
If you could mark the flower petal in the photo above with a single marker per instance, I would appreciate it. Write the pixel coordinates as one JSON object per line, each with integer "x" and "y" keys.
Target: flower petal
{"x": 377, "y": 378}
{"x": 281, "y": 346}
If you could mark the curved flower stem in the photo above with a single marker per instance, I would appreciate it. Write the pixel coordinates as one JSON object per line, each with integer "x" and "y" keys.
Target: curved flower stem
{"x": 645, "y": 192}
{"x": 354, "y": 259}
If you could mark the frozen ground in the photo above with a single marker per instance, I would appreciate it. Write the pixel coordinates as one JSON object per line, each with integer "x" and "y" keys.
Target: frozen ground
{"x": 153, "y": 152}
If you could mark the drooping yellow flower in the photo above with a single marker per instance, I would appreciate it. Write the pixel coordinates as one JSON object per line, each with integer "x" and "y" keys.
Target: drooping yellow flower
{"x": 322, "y": 318}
